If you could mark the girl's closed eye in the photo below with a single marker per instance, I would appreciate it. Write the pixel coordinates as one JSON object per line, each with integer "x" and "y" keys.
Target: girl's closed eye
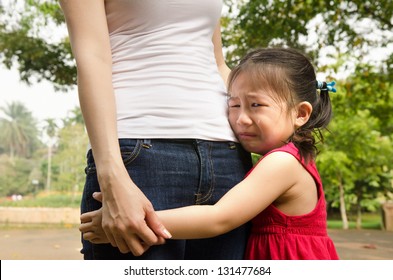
{"x": 259, "y": 104}
{"x": 233, "y": 103}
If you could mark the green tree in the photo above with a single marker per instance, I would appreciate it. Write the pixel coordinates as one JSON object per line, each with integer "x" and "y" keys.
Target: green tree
{"x": 16, "y": 176}
{"x": 19, "y": 133}
{"x": 337, "y": 179}
{"x": 356, "y": 159}
{"x": 310, "y": 25}
{"x": 248, "y": 24}
{"x": 69, "y": 160}
{"x": 75, "y": 117}
{"x": 24, "y": 46}
{"x": 50, "y": 130}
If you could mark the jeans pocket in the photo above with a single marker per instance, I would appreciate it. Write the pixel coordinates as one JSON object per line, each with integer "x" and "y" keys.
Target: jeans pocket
{"x": 130, "y": 151}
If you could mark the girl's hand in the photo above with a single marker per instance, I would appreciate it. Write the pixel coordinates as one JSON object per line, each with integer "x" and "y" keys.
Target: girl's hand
{"x": 91, "y": 227}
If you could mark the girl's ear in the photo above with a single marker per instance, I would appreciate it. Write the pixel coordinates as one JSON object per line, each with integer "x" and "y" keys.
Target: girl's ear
{"x": 304, "y": 110}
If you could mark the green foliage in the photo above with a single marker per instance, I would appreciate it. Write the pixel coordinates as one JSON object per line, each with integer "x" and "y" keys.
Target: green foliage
{"x": 338, "y": 224}
{"x": 22, "y": 45}
{"x": 370, "y": 220}
{"x": 18, "y": 170}
{"x": 49, "y": 10}
{"x": 255, "y": 158}
{"x": 37, "y": 59}
{"x": 308, "y": 25}
{"x": 358, "y": 151}
{"x": 371, "y": 89}
{"x": 57, "y": 199}
{"x": 50, "y": 127}
{"x": 69, "y": 161}
{"x": 16, "y": 176}
{"x": 19, "y": 133}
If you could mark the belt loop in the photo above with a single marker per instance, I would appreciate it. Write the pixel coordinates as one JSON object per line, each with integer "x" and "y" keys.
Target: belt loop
{"x": 232, "y": 145}
{"x": 146, "y": 143}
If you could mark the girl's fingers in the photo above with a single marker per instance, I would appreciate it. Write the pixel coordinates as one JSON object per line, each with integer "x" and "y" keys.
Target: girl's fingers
{"x": 86, "y": 227}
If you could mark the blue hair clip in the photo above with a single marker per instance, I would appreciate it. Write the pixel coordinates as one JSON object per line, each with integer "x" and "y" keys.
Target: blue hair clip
{"x": 330, "y": 86}
{"x": 326, "y": 86}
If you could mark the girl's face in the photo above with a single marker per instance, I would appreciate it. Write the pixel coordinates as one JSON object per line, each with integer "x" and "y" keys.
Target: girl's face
{"x": 260, "y": 122}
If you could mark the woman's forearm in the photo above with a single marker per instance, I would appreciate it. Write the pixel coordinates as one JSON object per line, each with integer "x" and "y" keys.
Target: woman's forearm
{"x": 89, "y": 37}
{"x": 99, "y": 112}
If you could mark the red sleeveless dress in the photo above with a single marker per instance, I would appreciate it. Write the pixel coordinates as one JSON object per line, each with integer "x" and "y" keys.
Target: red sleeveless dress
{"x": 276, "y": 236}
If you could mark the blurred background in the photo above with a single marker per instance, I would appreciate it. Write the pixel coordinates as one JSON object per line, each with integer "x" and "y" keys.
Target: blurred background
{"x": 43, "y": 140}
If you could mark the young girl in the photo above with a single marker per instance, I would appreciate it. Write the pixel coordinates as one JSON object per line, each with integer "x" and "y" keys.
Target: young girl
{"x": 275, "y": 110}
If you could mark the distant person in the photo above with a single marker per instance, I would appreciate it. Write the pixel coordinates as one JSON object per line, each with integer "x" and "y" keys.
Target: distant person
{"x": 275, "y": 110}
{"x": 152, "y": 89}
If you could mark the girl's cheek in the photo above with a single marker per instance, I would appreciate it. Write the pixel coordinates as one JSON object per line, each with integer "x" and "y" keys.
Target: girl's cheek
{"x": 232, "y": 121}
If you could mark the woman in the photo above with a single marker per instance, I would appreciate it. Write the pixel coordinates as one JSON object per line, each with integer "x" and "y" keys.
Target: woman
{"x": 151, "y": 82}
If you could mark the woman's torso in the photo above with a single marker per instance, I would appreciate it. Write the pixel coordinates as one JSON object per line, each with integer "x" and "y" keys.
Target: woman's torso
{"x": 165, "y": 76}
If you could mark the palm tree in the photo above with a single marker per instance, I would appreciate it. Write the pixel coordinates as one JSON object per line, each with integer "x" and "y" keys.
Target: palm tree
{"x": 76, "y": 117}
{"x": 18, "y": 130}
{"x": 50, "y": 129}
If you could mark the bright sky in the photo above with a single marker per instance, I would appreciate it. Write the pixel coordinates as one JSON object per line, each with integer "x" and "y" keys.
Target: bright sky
{"x": 39, "y": 98}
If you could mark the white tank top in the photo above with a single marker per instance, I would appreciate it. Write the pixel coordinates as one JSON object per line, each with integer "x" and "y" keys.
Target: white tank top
{"x": 165, "y": 77}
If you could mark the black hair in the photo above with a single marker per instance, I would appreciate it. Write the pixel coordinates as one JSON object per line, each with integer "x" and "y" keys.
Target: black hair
{"x": 291, "y": 76}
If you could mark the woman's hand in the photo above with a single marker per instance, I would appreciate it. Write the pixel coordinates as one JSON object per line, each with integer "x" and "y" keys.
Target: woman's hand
{"x": 93, "y": 231}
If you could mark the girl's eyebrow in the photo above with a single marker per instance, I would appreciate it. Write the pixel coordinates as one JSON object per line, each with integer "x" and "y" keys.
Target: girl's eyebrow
{"x": 256, "y": 95}
{"x": 250, "y": 94}
{"x": 253, "y": 94}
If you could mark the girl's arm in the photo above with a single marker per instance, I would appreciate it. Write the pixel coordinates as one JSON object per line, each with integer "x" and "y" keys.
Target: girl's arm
{"x": 125, "y": 209}
{"x": 270, "y": 179}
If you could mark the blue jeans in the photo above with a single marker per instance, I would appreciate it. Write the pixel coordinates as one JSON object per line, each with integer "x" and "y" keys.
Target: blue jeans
{"x": 176, "y": 173}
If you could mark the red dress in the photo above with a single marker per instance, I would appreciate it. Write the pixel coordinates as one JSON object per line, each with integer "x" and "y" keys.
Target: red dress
{"x": 276, "y": 236}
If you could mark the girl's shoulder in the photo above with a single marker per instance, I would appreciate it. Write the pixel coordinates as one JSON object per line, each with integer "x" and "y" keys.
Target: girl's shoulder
{"x": 287, "y": 153}
{"x": 286, "y": 161}
{"x": 276, "y": 164}
{"x": 289, "y": 148}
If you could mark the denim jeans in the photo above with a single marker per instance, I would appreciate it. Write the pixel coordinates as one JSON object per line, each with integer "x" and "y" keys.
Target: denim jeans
{"x": 176, "y": 173}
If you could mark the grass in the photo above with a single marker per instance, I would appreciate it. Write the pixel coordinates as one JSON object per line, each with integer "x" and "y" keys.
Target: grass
{"x": 59, "y": 199}
{"x": 44, "y": 199}
{"x": 369, "y": 221}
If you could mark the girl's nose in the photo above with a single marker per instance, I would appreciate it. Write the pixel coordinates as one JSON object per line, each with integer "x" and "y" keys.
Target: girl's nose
{"x": 244, "y": 119}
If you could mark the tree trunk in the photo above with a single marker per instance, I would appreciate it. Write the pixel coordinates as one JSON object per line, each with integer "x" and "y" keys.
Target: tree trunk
{"x": 12, "y": 156}
{"x": 342, "y": 206}
{"x": 358, "y": 215}
{"x": 49, "y": 171}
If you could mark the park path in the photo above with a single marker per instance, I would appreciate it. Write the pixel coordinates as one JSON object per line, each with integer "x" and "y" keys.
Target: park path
{"x": 64, "y": 244}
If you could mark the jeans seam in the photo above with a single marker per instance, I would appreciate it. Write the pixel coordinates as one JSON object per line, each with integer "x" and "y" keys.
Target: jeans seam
{"x": 133, "y": 154}
{"x": 202, "y": 199}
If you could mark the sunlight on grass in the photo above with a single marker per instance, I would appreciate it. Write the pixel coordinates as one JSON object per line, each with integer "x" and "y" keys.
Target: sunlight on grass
{"x": 44, "y": 199}
{"x": 369, "y": 221}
